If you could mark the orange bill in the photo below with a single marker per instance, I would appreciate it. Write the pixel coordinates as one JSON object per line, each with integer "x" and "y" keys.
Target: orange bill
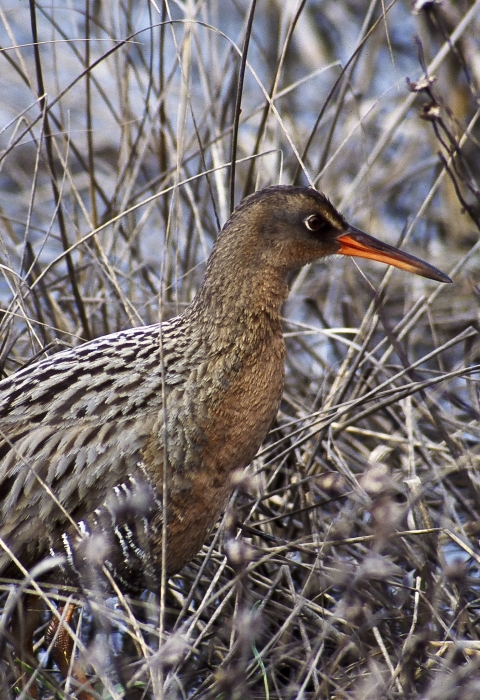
{"x": 360, "y": 245}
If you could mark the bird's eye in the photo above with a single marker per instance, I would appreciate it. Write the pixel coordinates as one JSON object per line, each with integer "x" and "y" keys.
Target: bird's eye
{"x": 314, "y": 222}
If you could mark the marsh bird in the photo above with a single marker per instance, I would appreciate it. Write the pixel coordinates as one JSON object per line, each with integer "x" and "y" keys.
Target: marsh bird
{"x": 90, "y": 436}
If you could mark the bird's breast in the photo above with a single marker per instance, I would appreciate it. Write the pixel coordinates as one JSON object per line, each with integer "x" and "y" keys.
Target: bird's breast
{"x": 213, "y": 430}
{"x": 242, "y": 412}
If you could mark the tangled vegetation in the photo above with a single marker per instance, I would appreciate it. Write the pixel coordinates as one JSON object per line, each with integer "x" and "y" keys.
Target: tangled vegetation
{"x": 347, "y": 564}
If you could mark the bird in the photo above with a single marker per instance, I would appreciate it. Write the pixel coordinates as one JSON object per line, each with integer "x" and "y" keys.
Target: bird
{"x": 105, "y": 445}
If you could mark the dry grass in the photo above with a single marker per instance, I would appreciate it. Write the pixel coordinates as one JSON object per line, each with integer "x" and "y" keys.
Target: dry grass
{"x": 347, "y": 565}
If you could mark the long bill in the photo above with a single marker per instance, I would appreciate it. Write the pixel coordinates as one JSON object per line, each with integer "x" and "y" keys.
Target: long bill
{"x": 360, "y": 245}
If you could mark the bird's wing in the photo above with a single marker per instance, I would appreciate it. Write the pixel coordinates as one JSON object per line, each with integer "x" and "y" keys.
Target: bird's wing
{"x": 74, "y": 426}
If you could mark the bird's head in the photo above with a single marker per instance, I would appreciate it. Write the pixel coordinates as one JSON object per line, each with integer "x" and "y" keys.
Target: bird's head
{"x": 287, "y": 227}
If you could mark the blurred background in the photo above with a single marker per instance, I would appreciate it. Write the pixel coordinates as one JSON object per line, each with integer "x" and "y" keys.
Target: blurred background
{"x": 347, "y": 563}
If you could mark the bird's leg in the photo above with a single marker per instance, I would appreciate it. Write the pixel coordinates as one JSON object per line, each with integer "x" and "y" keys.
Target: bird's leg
{"x": 25, "y": 621}
{"x": 60, "y": 641}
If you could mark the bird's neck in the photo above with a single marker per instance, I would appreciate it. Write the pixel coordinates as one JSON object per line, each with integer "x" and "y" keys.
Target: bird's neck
{"x": 238, "y": 306}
